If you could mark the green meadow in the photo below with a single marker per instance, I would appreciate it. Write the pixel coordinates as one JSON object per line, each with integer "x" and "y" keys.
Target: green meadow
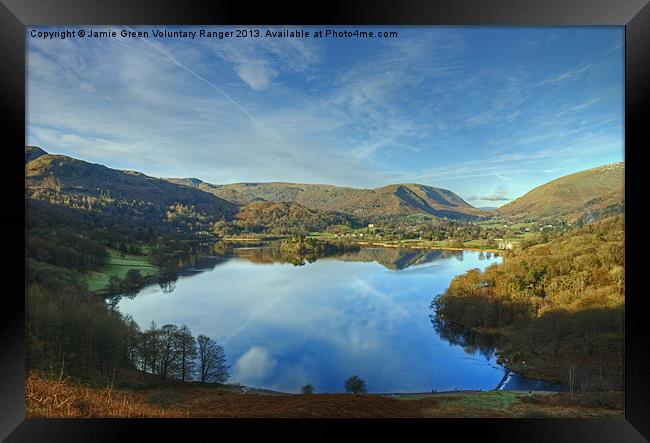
{"x": 119, "y": 264}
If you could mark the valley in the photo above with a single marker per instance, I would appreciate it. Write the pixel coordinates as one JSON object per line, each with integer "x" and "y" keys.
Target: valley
{"x": 98, "y": 238}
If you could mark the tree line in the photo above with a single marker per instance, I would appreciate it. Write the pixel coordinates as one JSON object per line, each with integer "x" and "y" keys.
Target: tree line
{"x": 172, "y": 352}
{"x": 69, "y": 328}
{"x": 73, "y": 331}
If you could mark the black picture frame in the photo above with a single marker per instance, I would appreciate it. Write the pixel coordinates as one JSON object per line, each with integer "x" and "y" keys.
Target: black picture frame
{"x": 633, "y": 14}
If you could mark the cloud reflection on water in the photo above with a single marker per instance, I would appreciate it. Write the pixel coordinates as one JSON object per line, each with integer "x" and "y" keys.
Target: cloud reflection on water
{"x": 283, "y": 325}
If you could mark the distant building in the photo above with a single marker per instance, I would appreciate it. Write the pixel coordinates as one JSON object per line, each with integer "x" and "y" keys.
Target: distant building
{"x": 503, "y": 244}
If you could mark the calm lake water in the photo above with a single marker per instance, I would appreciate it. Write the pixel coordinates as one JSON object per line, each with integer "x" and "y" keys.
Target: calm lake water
{"x": 365, "y": 313}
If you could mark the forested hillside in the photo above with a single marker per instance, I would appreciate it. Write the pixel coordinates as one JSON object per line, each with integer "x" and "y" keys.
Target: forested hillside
{"x": 287, "y": 218}
{"x": 69, "y": 328}
{"x": 77, "y": 215}
{"x": 558, "y": 306}
{"x": 76, "y": 183}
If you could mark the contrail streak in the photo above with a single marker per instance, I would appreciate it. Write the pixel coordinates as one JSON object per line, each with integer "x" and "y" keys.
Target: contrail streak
{"x": 252, "y": 317}
{"x": 212, "y": 85}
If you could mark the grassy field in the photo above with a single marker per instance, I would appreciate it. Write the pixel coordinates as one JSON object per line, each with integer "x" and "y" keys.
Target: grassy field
{"x": 49, "y": 397}
{"x": 443, "y": 244}
{"x": 119, "y": 264}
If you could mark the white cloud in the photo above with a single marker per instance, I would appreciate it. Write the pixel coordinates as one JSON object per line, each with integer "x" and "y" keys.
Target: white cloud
{"x": 257, "y": 76}
{"x": 254, "y": 364}
{"x": 259, "y": 62}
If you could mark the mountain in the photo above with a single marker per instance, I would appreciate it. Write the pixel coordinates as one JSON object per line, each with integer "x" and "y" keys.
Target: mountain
{"x": 59, "y": 178}
{"x": 398, "y": 199}
{"x": 76, "y": 183}
{"x": 573, "y": 195}
{"x": 32, "y": 153}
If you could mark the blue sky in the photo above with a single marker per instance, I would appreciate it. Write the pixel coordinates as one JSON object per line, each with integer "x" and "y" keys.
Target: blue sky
{"x": 486, "y": 112}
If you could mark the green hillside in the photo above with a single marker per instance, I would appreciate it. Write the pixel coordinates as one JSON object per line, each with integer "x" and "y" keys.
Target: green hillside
{"x": 573, "y": 195}
{"x": 62, "y": 179}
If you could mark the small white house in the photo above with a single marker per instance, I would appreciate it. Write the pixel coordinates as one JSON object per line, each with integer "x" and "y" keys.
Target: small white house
{"x": 502, "y": 244}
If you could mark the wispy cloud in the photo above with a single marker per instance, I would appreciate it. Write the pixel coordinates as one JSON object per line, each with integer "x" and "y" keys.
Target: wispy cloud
{"x": 161, "y": 49}
{"x": 568, "y": 75}
{"x": 258, "y": 62}
{"x": 427, "y": 107}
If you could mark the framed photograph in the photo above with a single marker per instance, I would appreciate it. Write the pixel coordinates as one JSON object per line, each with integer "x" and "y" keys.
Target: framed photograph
{"x": 398, "y": 211}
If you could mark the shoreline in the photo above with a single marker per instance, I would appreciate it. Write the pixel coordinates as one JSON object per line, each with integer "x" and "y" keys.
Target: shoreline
{"x": 154, "y": 279}
{"x": 504, "y": 380}
{"x": 251, "y": 390}
{"x": 442, "y": 248}
{"x": 373, "y": 243}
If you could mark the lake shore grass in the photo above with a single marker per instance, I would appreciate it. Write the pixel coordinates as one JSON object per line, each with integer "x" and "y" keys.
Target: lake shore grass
{"x": 47, "y": 396}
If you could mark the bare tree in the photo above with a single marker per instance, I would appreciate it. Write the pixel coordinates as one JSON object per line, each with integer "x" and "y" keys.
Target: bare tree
{"x": 212, "y": 361}
{"x": 169, "y": 351}
{"x": 572, "y": 377}
{"x": 187, "y": 352}
{"x": 151, "y": 348}
{"x": 132, "y": 340}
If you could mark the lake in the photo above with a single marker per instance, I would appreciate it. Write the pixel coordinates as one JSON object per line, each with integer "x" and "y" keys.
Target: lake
{"x": 364, "y": 313}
